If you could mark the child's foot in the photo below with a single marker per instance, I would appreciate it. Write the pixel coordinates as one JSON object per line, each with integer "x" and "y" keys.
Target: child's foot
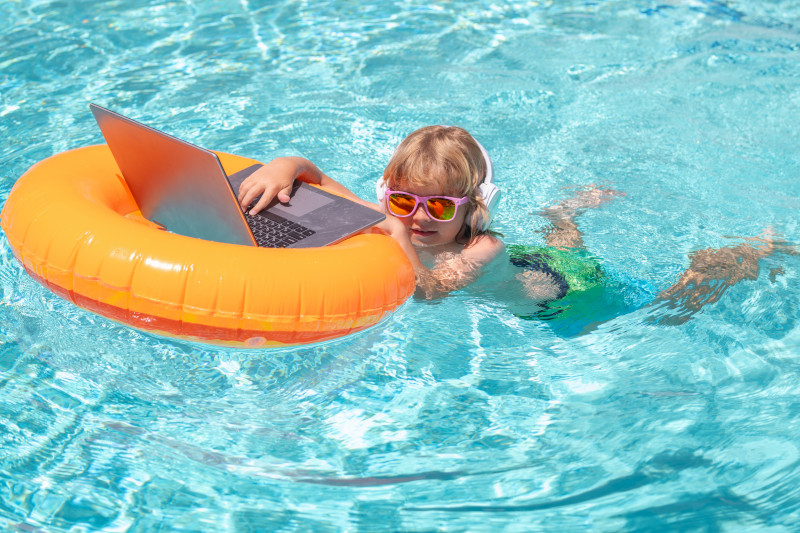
{"x": 589, "y": 197}
{"x": 564, "y": 232}
{"x": 770, "y": 241}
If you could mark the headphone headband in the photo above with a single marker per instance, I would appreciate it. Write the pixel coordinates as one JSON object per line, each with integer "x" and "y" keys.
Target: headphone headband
{"x": 489, "y": 178}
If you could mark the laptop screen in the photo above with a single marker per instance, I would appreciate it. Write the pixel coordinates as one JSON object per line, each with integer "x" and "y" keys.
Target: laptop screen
{"x": 185, "y": 189}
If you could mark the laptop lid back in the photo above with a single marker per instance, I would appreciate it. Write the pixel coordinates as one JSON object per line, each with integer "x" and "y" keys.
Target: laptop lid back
{"x": 179, "y": 185}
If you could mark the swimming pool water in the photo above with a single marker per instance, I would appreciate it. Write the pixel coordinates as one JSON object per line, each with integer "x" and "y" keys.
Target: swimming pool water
{"x": 455, "y": 414}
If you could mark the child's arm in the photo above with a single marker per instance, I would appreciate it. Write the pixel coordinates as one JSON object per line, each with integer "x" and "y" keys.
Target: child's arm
{"x": 454, "y": 271}
{"x": 396, "y": 230}
{"x": 275, "y": 180}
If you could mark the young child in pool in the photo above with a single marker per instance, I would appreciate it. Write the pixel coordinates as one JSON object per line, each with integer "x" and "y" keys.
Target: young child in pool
{"x": 437, "y": 212}
{"x": 435, "y": 209}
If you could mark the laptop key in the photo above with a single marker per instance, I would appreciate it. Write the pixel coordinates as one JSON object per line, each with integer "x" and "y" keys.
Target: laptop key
{"x": 273, "y": 231}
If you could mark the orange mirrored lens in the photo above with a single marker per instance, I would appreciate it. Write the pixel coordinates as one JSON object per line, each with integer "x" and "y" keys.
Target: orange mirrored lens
{"x": 401, "y": 204}
{"x": 441, "y": 208}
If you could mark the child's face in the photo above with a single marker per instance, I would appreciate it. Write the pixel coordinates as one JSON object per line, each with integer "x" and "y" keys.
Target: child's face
{"x": 425, "y": 231}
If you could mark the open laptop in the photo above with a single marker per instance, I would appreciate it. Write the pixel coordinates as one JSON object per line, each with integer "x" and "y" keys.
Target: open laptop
{"x": 184, "y": 188}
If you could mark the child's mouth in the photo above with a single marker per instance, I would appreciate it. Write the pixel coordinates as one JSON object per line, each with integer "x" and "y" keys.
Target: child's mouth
{"x": 421, "y": 232}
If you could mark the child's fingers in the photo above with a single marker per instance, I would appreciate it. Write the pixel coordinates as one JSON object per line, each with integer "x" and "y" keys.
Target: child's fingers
{"x": 248, "y": 193}
{"x": 284, "y": 195}
{"x": 261, "y": 204}
{"x": 266, "y": 198}
{"x": 240, "y": 196}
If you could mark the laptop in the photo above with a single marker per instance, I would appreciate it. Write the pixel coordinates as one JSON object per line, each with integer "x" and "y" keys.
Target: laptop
{"x": 184, "y": 188}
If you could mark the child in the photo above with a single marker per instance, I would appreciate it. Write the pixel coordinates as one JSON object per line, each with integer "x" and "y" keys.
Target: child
{"x": 435, "y": 209}
{"x": 438, "y": 197}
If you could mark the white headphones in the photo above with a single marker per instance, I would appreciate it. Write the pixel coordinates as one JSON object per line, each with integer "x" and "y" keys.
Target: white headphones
{"x": 487, "y": 190}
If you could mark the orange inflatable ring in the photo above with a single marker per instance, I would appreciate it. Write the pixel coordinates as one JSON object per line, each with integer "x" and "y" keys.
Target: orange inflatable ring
{"x": 75, "y": 228}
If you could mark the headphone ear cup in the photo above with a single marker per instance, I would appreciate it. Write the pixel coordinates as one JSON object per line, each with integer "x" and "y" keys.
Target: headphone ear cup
{"x": 380, "y": 189}
{"x": 490, "y": 195}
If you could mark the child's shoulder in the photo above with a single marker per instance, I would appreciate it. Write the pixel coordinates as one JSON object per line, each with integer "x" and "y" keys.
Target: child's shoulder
{"x": 483, "y": 248}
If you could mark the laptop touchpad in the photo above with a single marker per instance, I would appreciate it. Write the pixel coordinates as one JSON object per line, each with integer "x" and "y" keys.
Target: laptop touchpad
{"x": 304, "y": 200}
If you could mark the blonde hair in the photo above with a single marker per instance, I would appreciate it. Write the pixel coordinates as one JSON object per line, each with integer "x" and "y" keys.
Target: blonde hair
{"x": 449, "y": 158}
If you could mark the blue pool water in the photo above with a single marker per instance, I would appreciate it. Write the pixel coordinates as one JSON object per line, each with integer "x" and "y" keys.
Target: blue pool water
{"x": 456, "y": 414}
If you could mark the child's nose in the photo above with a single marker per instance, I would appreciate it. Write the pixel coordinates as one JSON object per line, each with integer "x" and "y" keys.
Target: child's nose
{"x": 420, "y": 214}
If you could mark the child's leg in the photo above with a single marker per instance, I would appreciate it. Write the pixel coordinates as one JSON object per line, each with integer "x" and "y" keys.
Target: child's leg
{"x": 564, "y": 232}
{"x": 713, "y": 271}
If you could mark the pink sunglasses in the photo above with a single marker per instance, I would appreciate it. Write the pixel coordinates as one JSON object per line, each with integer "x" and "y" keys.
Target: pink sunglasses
{"x": 441, "y": 208}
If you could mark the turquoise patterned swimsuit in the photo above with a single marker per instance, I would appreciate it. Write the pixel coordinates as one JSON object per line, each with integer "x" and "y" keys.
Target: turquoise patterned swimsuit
{"x": 589, "y": 294}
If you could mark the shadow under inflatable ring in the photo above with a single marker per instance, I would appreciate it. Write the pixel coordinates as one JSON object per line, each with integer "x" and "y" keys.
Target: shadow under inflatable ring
{"x": 75, "y": 228}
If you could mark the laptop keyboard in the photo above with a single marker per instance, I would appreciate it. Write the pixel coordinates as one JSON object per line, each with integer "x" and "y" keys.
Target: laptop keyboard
{"x": 274, "y": 231}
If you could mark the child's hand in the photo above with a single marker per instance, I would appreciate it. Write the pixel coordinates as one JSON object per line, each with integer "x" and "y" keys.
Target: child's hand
{"x": 395, "y": 229}
{"x": 392, "y": 227}
{"x": 273, "y": 180}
